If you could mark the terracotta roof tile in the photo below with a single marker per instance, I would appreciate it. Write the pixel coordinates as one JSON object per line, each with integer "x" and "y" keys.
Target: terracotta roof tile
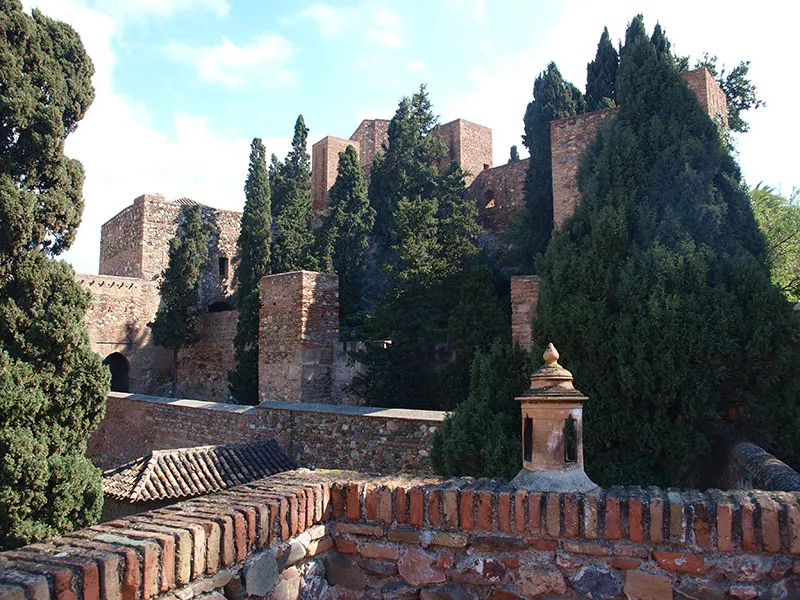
{"x": 187, "y": 472}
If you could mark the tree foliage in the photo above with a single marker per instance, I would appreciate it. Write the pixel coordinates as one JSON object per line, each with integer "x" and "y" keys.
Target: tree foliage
{"x": 255, "y": 239}
{"x": 345, "y": 232}
{"x": 601, "y": 75}
{"x": 52, "y": 386}
{"x": 658, "y": 292}
{"x": 175, "y": 323}
{"x": 481, "y": 437}
{"x": 514, "y": 156}
{"x": 779, "y": 219}
{"x": 741, "y": 93}
{"x": 293, "y": 244}
{"x": 553, "y": 98}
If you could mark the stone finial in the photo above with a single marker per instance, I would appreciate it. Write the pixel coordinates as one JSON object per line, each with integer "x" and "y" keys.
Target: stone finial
{"x": 551, "y": 356}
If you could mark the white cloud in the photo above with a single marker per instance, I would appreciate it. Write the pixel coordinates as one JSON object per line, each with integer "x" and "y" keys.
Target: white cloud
{"x": 331, "y": 21}
{"x": 263, "y": 62}
{"x": 473, "y": 9}
{"x": 160, "y": 8}
{"x": 381, "y": 26}
{"x": 124, "y": 156}
{"x": 416, "y": 65}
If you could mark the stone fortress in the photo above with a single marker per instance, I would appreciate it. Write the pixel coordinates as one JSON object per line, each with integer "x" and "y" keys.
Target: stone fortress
{"x": 334, "y": 534}
{"x": 134, "y": 251}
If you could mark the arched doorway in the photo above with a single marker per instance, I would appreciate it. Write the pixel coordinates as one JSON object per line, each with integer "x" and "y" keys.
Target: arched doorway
{"x": 118, "y": 365}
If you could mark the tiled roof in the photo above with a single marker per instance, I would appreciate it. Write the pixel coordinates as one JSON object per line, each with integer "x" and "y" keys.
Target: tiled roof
{"x": 187, "y": 472}
{"x": 184, "y": 201}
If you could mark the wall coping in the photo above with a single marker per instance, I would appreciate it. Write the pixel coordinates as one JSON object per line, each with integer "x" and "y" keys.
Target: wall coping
{"x": 681, "y": 532}
{"x": 765, "y": 470}
{"x": 401, "y": 414}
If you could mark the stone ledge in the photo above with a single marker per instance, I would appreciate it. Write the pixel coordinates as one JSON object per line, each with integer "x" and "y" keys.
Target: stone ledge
{"x": 404, "y": 414}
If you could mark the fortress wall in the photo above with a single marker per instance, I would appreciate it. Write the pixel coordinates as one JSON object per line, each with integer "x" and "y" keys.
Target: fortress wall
{"x": 474, "y": 148}
{"x": 709, "y": 94}
{"x": 120, "y": 250}
{"x": 370, "y": 135}
{"x": 524, "y": 297}
{"x": 325, "y": 436}
{"x": 324, "y": 168}
{"x": 498, "y": 193}
{"x": 344, "y": 534}
{"x": 203, "y": 368}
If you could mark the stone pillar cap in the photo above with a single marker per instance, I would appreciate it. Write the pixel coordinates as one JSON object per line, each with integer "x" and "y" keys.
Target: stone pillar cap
{"x": 552, "y": 382}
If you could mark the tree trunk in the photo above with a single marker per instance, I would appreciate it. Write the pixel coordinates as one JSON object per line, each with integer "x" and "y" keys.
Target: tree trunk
{"x": 174, "y": 372}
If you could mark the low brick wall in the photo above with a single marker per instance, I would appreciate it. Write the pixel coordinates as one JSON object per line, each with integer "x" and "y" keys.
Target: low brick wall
{"x": 373, "y": 440}
{"x": 329, "y": 534}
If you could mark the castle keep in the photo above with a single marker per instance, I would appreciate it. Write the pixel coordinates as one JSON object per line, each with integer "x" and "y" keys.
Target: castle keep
{"x": 302, "y": 359}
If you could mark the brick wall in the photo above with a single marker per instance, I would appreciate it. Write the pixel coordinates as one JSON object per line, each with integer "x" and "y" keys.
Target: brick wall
{"x": 371, "y": 135}
{"x": 324, "y": 168}
{"x": 524, "y": 297}
{"x": 120, "y": 250}
{"x": 365, "y": 438}
{"x": 469, "y": 144}
{"x": 339, "y": 534}
{"x": 568, "y": 139}
{"x": 497, "y": 193}
{"x": 709, "y": 94}
{"x": 298, "y": 333}
{"x": 117, "y": 322}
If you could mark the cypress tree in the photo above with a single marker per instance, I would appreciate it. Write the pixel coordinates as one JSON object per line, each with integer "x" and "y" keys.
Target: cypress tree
{"x": 481, "y": 437}
{"x": 175, "y": 323}
{"x": 293, "y": 244}
{"x": 514, "y": 157}
{"x": 553, "y": 98}
{"x": 52, "y": 386}
{"x": 601, "y": 75}
{"x": 345, "y": 232}
{"x": 658, "y": 293}
{"x": 255, "y": 240}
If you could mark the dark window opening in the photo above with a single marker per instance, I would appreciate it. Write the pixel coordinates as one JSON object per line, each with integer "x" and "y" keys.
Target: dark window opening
{"x": 485, "y": 166}
{"x": 488, "y": 199}
{"x": 220, "y": 306}
{"x": 223, "y": 267}
{"x": 570, "y": 441}
{"x": 527, "y": 439}
{"x": 118, "y": 365}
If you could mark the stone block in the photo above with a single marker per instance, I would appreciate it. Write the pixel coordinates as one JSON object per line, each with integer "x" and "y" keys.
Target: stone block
{"x": 261, "y": 574}
{"x": 645, "y": 586}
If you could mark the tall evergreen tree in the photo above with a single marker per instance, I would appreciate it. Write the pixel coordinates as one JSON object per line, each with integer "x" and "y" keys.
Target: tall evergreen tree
{"x": 601, "y": 75}
{"x": 255, "y": 240}
{"x": 779, "y": 219}
{"x": 553, "y": 98}
{"x": 346, "y": 230}
{"x": 408, "y": 166}
{"x": 274, "y": 175}
{"x": 175, "y": 323}
{"x": 52, "y": 386}
{"x": 293, "y": 244}
{"x": 658, "y": 293}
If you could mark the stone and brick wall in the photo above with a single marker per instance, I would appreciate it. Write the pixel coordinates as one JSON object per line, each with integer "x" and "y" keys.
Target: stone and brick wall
{"x": 318, "y": 534}
{"x": 469, "y": 144}
{"x": 117, "y": 322}
{"x": 497, "y": 193}
{"x": 324, "y": 168}
{"x": 568, "y": 139}
{"x": 203, "y": 368}
{"x": 524, "y": 297}
{"x": 120, "y": 237}
{"x": 371, "y": 134}
{"x": 298, "y": 333}
{"x": 709, "y": 94}
{"x": 365, "y": 438}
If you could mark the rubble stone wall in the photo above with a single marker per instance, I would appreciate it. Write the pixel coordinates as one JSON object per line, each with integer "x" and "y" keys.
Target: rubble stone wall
{"x": 370, "y": 135}
{"x": 524, "y": 297}
{"x": 317, "y": 534}
{"x": 371, "y": 439}
{"x": 497, "y": 193}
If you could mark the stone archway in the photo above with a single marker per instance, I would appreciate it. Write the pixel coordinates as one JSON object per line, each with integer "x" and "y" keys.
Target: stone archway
{"x": 119, "y": 367}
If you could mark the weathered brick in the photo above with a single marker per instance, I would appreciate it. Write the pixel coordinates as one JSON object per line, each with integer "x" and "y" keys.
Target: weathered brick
{"x": 485, "y": 517}
{"x": 435, "y": 507}
{"x": 647, "y": 586}
{"x": 553, "y": 515}
{"x": 360, "y": 529}
{"x": 747, "y": 509}
{"x": 449, "y": 540}
{"x": 793, "y": 528}
{"x": 319, "y": 546}
{"x": 626, "y": 564}
{"x": 385, "y": 504}
{"x": 504, "y": 512}
{"x": 770, "y": 530}
{"x": 702, "y": 526}
{"x": 656, "y": 518}
{"x": 35, "y": 586}
{"x": 401, "y": 504}
{"x": 338, "y": 495}
{"x": 354, "y": 501}
{"x": 680, "y": 562}
{"x": 450, "y": 505}
{"x": 378, "y": 551}
{"x": 591, "y": 548}
{"x": 591, "y": 526}
{"x": 467, "y": 510}
{"x": 416, "y": 506}
{"x": 130, "y": 577}
{"x": 725, "y": 527}
{"x": 345, "y": 546}
{"x": 148, "y": 554}
{"x": 405, "y": 535}
{"x": 635, "y": 521}
{"x": 371, "y": 502}
{"x": 520, "y": 515}
{"x": 677, "y": 513}
{"x": 613, "y": 519}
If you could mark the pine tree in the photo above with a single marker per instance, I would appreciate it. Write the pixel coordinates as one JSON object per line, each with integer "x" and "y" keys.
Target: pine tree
{"x": 553, "y": 98}
{"x": 52, "y": 386}
{"x": 274, "y": 174}
{"x": 601, "y": 75}
{"x": 175, "y": 323}
{"x": 481, "y": 437}
{"x": 345, "y": 232}
{"x": 293, "y": 244}
{"x": 255, "y": 240}
{"x": 658, "y": 292}
{"x": 514, "y": 157}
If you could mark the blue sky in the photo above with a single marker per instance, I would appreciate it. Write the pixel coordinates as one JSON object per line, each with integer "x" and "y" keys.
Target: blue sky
{"x": 184, "y": 85}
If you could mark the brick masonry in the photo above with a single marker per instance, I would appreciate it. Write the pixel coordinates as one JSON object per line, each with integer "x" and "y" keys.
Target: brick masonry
{"x": 709, "y": 94}
{"x": 371, "y": 135}
{"x": 497, "y": 192}
{"x": 324, "y": 168}
{"x": 524, "y": 297}
{"x": 368, "y": 439}
{"x": 323, "y": 534}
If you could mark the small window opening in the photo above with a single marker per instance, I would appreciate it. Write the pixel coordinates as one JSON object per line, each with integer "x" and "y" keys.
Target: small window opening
{"x": 527, "y": 439}
{"x": 119, "y": 367}
{"x": 488, "y": 199}
{"x": 485, "y": 166}
{"x": 223, "y": 267}
{"x": 570, "y": 441}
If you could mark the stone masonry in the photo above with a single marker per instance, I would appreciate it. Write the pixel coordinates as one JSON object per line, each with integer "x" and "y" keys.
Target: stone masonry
{"x": 524, "y": 297}
{"x": 497, "y": 192}
{"x": 324, "y": 168}
{"x": 298, "y": 334}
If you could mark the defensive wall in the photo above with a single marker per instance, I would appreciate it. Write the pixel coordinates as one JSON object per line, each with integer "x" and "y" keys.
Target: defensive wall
{"x": 374, "y": 440}
{"x": 317, "y": 534}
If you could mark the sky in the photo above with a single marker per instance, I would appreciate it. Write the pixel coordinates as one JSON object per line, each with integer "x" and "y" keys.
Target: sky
{"x": 183, "y": 86}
